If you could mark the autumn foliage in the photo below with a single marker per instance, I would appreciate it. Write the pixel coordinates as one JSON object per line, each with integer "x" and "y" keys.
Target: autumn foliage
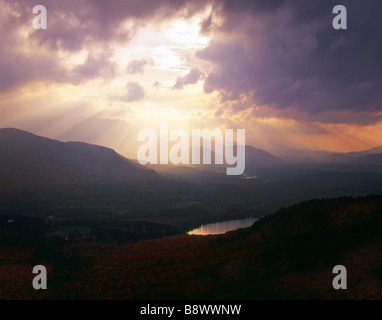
{"x": 287, "y": 255}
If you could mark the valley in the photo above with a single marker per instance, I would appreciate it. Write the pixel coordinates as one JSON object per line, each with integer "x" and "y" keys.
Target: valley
{"x": 107, "y": 228}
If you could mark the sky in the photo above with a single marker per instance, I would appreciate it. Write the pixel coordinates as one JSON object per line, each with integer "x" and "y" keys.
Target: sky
{"x": 103, "y": 70}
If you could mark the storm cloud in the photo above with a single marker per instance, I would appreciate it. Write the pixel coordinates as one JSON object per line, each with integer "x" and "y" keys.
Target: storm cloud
{"x": 286, "y": 55}
{"x": 30, "y": 55}
{"x": 279, "y": 57}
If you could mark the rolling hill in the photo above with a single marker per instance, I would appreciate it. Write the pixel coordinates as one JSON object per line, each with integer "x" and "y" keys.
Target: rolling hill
{"x": 320, "y": 156}
{"x": 257, "y": 158}
{"x": 27, "y": 156}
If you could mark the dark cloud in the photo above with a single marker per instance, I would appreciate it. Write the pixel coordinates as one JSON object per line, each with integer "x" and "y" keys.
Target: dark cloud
{"x": 18, "y": 69}
{"x": 138, "y": 65}
{"x": 206, "y": 25}
{"x": 286, "y": 54}
{"x": 95, "y": 66}
{"x": 156, "y": 85}
{"x": 74, "y": 25}
{"x": 191, "y": 78}
{"x": 280, "y": 54}
{"x": 134, "y": 92}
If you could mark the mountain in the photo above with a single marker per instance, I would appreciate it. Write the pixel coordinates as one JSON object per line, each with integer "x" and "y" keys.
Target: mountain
{"x": 372, "y": 159}
{"x": 27, "y": 156}
{"x": 116, "y": 134}
{"x": 259, "y": 158}
{"x": 369, "y": 156}
{"x": 216, "y": 173}
{"x": 299, "y": 156}
{"x": 371, "y": 151}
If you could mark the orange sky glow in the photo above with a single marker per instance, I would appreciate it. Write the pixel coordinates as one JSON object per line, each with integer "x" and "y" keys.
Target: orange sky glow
{"x": 105, "y": 90}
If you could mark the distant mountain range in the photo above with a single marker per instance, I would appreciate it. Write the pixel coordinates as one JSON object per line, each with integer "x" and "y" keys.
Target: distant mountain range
{"x": 259, "y": 158}
{"x": 27, "y": 156}
{"x": 305, "y": 155}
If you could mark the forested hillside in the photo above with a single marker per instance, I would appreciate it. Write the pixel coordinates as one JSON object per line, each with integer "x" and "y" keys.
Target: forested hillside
{"x": 287, "y": 255}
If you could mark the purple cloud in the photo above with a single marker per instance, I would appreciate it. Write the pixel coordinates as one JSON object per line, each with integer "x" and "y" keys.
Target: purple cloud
{"x": 134, "y": 92}
{"x": 286, "y": 54}
{"x": 282, "y": 55}
{"x": 191, "y": 78}
{"x": 74, "y": 25}
{"x": 138, "y": 65}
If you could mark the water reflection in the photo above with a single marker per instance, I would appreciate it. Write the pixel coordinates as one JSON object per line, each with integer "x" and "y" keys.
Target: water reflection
{"x": 222, "y": 227}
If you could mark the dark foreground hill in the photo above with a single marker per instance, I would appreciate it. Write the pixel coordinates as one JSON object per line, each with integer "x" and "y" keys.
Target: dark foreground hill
{"x": 287, "y": 255}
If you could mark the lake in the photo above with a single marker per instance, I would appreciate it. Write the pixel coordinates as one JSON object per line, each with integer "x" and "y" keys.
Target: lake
{"x": 222, "y": 227}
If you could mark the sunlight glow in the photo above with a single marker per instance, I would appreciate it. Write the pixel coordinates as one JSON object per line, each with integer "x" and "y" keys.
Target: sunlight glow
{"x": 187, "y": 34}
{"x": 166, "y": 58}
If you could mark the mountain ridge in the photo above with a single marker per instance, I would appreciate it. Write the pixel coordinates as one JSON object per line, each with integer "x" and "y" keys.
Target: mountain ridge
{"x": 26, "y": 155}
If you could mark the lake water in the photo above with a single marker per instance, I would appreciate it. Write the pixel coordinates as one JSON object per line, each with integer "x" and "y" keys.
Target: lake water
{"x": 222, "y": 227}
